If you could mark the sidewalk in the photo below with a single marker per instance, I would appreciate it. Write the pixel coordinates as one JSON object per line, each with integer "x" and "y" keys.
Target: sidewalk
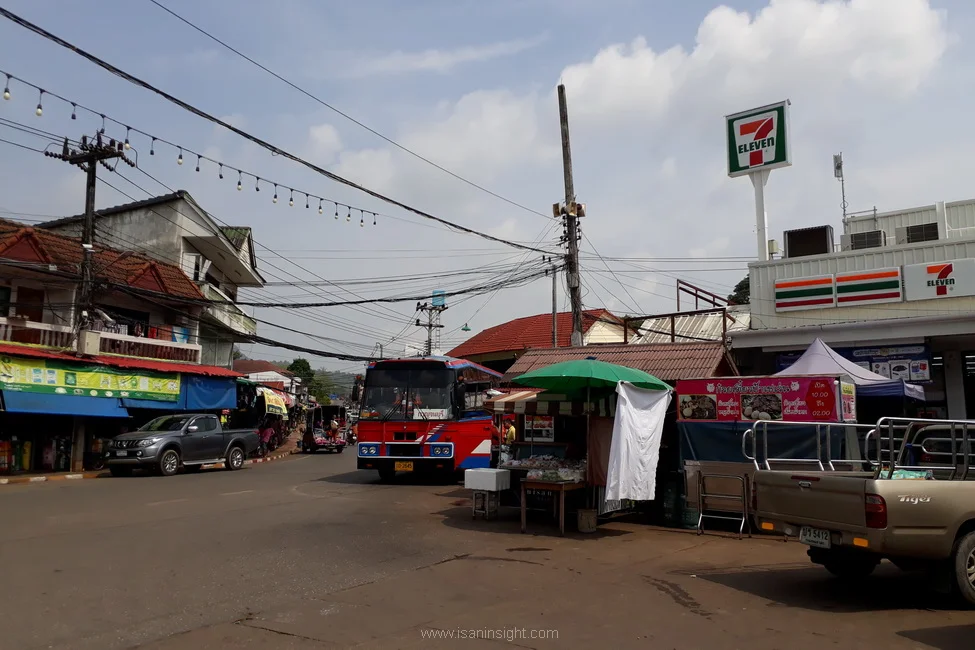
{"x": 289, "y": 448}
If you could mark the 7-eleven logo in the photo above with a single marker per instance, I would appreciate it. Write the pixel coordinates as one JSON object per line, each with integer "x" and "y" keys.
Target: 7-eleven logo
{"x": 755, "y": 138}
{"x": 942, "y": 279}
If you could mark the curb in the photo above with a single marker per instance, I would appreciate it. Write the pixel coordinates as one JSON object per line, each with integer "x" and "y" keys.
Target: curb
{"x": 22, "y": 480}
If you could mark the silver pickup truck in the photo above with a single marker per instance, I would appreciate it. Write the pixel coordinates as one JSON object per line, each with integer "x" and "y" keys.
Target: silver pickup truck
{"x": 905, "y": 494}
{"x": 187, "y": 440}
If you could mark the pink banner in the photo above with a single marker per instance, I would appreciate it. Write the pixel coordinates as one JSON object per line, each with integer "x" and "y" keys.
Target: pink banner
{"x": 789, "y": 399}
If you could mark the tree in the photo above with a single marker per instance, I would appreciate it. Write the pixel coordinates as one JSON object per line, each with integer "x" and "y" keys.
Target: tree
{"x": 742, "y": 292}
{"x": 302, "y": 369}
{"x": 238, "y": 355}
{"x": 319, "y": 389}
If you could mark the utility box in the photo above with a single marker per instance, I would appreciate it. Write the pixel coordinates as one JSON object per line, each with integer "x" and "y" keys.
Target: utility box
{"x": 488, "y": 480}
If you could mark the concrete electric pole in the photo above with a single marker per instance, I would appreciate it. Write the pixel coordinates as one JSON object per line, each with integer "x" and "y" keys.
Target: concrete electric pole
{"x": 571, "y": 212}
{"x": 433, "y": 324}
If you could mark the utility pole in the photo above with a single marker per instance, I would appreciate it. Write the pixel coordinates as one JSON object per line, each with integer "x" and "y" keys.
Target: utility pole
{"x": 87, "y": 157}
{"x": 571, "y": 212}
{"x": 433, "y": 323}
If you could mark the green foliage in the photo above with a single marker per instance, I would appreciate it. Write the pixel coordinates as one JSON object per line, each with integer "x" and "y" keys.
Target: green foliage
{"x": 742, "y": 292}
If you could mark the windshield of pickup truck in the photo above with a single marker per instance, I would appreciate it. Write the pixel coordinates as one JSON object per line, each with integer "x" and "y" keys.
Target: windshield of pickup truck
{"x": 165, "y": 423}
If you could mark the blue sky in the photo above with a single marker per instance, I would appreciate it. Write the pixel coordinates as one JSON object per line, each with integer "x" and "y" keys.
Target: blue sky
{"x": 471, "y": 85}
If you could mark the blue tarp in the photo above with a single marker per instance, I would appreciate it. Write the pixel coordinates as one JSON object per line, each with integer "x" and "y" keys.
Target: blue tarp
{"x": 196, "y": 393}
{"x": 100, "y": 407}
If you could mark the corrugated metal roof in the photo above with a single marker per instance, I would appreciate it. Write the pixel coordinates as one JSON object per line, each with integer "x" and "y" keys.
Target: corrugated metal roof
{"x": 666, "y": 361}
{"x": 526, "y": 333}
{"x": 694, "y": 326}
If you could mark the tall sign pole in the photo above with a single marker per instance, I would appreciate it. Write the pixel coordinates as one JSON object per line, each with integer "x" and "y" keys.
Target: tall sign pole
{"x": 571, "y": 213}
{"x": 758, "y": 142}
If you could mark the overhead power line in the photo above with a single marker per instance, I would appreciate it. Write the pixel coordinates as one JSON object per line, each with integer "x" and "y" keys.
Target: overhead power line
{"x": 344, "y": 114}
{"x": 9, "y": 15}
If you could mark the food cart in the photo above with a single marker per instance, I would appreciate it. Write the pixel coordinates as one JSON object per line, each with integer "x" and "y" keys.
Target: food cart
{"x": 713, "y": 416}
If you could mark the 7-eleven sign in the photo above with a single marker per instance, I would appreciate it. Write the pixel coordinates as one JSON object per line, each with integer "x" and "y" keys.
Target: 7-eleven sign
{"x": 758, "y": 139}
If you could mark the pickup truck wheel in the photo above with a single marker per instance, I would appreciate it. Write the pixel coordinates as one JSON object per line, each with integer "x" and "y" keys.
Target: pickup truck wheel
{"x": 169, "y": 462}
{"x": 851, "y": 568}
{"x": 965, "y": 568}
{"x": 117, "y": 470}
{"x": 235, "y": 458}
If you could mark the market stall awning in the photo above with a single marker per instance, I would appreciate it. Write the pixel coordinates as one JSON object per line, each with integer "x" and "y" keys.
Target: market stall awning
{"x": 51, "y": 404}
{"x": 274, "y": 403}
{"x": 197, "y": 393}
{"x": 537, "y": 402}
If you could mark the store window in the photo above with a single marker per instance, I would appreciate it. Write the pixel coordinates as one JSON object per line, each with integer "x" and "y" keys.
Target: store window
{"x": 30, "y": 304}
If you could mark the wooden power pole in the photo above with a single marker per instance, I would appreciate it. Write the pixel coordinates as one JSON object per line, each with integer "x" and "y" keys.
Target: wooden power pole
{"x": 571, "y": 212}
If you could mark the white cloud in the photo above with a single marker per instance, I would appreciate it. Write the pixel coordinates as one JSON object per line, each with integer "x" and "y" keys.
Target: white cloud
{"x": 326, "y": 143}
{"x": 434, "y": 60}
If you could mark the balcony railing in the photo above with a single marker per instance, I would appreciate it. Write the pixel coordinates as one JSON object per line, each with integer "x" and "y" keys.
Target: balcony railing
{"x": 136, "y": 346}
{"x": 26, "y": 332}
{"x": 229, "y": 315}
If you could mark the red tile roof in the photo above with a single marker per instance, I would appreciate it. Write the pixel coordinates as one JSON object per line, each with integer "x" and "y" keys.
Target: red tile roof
{"x": 251, "y": 366}
{"x": 36, "y": 245}
{"x": 118, "y": 362}
{"x": 526, "y": 333}
{"x": 666, "y": 361}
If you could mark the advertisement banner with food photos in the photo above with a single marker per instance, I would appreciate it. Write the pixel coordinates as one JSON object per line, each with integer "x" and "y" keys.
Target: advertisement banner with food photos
{"x": 785, "y": 399}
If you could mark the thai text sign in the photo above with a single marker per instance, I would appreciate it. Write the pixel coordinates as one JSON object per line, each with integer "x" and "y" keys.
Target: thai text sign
{"x": 53, "y": 377}
{"x": 788, "y": 399}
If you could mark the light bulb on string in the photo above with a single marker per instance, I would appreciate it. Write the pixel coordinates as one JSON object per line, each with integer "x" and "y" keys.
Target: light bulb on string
{"x": 257, "y": 184}
{"x": 198, "y": 157}
{"x": 306, "y": 201}
{"x": 152, "y": 147}
{"x": 74, "y": 111}
{"x": 291, "y": 201}
{"x": 275, "y": 198}
{"x": 179, "y": 161}
{"x": 374, "y": 218}
{"x": 126, "y": 143}
{"x": 40, "y": 99}
{"x": 336, "y": 211}
{"x": 220, "y": 172}
{"x": 362, "y": 219}
{"x": 240, "y": 180}
{"x": 6, "y": 89}
{"x": 320, "y": 209}
{"x": 348, "y": 217}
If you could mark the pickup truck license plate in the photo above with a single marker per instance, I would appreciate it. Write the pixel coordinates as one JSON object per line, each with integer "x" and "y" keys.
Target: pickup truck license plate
{"x": 403, "y": 466}
{"x": 120, "y": 454}
{"x": 815, "y": 537}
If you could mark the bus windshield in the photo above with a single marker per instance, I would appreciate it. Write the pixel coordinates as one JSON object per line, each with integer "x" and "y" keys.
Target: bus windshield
{"x": 408, "y": 391}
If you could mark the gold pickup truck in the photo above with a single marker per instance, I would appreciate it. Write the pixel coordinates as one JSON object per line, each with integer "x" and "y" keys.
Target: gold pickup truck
{"x": 909, "y": 498}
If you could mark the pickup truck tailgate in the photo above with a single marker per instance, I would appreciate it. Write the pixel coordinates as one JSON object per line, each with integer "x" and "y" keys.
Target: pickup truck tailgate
{"x": 813, "y": 498}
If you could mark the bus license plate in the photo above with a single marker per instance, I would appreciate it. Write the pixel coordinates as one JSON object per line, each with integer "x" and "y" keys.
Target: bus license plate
{"x": 815, "y": 537}
{"x": 403, "y": 466}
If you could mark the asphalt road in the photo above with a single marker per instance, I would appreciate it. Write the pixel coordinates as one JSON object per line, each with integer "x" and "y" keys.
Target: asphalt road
{"x": 308, "y": 553}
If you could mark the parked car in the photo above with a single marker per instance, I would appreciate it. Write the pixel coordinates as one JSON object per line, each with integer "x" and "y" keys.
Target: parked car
{"x": 188, "y": 440}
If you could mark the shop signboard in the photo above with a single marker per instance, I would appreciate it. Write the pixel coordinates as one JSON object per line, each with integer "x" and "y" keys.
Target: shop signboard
{"x": 431, "y": 414}
{"x": 952, "y": 279}
{"x": 539, "y": 428}
{"x": 794, "y": 294}
{"x": 758, "y": 139}
{"x": 274, "y": 403}
{"x": 848, "y": 401}
{"x": 786, "y": 399}
{"x": 52, "y": 377}
{"x": 908, "y": 362}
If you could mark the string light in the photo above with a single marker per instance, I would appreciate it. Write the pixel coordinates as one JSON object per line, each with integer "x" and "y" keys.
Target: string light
{"x": 126, "y": 143}
{"x": 275, "y": 199}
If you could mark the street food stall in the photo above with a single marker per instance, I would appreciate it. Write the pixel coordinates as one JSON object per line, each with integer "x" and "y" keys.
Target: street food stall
{"x": 565, "y": 435}
{"x": 714, "y": 414}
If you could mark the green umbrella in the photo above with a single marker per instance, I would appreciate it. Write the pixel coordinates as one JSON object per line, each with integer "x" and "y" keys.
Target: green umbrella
{"x": 573, "y": 376}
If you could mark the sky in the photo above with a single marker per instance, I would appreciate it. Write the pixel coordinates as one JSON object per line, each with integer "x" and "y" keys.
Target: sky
{"x": 471, "y": 86}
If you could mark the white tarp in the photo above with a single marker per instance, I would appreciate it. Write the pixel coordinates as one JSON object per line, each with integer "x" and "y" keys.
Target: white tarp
{"x": 635, "y": 449}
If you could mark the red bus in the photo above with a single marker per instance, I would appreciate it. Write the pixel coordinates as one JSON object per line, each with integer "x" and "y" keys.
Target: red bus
{"x": 425, "y": 415}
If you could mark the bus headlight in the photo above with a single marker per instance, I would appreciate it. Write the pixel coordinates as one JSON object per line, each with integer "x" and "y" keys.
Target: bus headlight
{"x": 440, "y": 450}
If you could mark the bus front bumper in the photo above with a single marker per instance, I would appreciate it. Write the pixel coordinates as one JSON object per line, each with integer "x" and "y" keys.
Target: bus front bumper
{"x": 419, "y": 465}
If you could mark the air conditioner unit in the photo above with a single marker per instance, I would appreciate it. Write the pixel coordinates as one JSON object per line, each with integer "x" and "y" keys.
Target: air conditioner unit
{"x": 89, "y": 343}
{"x": 861, "y": 240}
{"x": 918, "y": 233}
